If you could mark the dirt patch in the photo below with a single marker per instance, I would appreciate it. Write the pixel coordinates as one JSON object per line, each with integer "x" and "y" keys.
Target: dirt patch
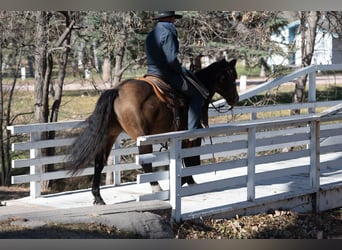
{"x": 13, "y": 192}
{"x": 11, "y": 229}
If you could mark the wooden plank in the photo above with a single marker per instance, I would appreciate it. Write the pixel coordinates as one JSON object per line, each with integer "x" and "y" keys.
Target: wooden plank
{"x": 251, "y": 164}
{"x": 296, "y": 201}
{"x": 152, "y": 157}
{"x": 214, "y": 148}
{"x": 329, "y": 67}
{"x": 213, "y": 186}
{"x": 223, "y": 129}
{"x": 330, "y": 197}
{"x": 21, "y": 163}
{"x": 175, "y": 178}
{"x": 60, "y": 174}
{"x": 122, "y": 167}
{"x": 155, "y": 176}
{"x": 42, "y": 144}
{"x": 331, "y": 132}
{"x": 221, "y": 166}
{"x": 279, "y": 141}
{"x": 315, "y": 162}
{"x": 162, "y": 195}
{"x": 40, "y": 127}
{"x": 274, "y": 132}
{"x": 331, "y": 164}
{"x": 272, "y": 174}
{"x": 124, "y": 151}
{"x": 331, "y": 148}
{"x": 270, "y": 108}
{"x": 282, "y": 156}
{"x": 331, "y": 111}
{"x": 276, "y": 82}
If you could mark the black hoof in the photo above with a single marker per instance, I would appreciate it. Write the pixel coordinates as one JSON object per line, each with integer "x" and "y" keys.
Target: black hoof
{"x": 99, "y": 202}
{"x": 188, "y": 180}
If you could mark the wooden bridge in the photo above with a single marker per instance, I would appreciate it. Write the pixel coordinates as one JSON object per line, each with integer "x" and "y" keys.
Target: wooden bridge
{"x": 289, "y": 162}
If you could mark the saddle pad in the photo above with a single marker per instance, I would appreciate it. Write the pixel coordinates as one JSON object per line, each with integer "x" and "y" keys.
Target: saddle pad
{"x": 164, "y": 91}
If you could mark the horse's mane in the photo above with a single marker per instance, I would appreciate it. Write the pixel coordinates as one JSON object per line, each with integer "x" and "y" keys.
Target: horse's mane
{"x": 206, "y": 73}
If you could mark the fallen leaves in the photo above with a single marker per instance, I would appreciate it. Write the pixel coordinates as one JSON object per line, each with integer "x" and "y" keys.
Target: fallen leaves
{"x": 276, "y": 224}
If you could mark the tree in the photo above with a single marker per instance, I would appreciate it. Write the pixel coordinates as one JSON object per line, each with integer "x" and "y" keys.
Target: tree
{"x": 235, "y": 34}
{"x": 11, "y": 50}
{"x": 64, "y": 45}
{"x": 4, "y": 169}
{"x": 45, "y": 52}
{"x": 115, "y": 32}
{"x": 308, "y": 26}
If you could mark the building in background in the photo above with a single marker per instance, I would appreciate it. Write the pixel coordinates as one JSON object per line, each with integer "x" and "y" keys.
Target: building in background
{"x": 328, "y": 47}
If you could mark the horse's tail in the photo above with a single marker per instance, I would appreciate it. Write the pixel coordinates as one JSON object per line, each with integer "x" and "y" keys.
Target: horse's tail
{"x": 93, "y": 139}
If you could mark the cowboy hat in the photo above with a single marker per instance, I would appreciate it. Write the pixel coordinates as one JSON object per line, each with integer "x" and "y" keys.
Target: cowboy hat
{"x": 164, "y": 14}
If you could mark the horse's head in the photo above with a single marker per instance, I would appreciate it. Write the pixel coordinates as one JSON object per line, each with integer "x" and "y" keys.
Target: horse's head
{"x": 226, "y": 81}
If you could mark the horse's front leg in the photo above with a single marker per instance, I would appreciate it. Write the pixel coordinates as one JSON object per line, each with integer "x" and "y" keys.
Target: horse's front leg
{"x": 99, "y": 164}
{"x": 191, "y": 161}
{"x": 148, "y": 167}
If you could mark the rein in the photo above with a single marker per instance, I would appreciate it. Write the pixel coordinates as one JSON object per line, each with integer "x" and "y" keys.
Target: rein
{"x": 218, "y": 110}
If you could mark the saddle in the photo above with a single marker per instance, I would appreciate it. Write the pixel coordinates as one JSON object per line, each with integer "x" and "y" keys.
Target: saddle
{"x": 168, "y": 95}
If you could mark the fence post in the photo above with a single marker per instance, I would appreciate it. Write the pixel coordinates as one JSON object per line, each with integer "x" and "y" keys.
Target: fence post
{"x": 116, "y": 160}
{"x": 253, "y": 116}
{"x": 175, "y": 177}
{"x": 251, "y": 164}
{"x": 312, "y": 91}
{"x": 315, "y": 162}
{"x": 35, "y": 188}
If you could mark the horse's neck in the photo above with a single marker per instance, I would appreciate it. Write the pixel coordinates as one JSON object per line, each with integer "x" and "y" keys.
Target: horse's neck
{"x": 203, "y": 76}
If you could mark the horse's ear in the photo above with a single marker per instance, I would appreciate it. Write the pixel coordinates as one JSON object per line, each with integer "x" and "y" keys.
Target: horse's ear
{"x": 232, "y": 62}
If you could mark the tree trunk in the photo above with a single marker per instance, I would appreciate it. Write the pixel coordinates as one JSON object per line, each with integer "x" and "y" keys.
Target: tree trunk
{"x": 106, "y": 69}
{"x": 308, "y": 26}
{"x": 62, "y": 64}
{"x": 2, "y": 151}
{"x": 5, "y": 114}
{"x": 43, "y": 69}
{"x": 118, "y": 71}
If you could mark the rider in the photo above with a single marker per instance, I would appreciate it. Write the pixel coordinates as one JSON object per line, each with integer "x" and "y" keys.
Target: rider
{"x": 162, "y": 47}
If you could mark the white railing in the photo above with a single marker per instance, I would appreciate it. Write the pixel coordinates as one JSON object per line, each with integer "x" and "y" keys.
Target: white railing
{"x": 34, "y": 161}
{"x": 311, "y": 71}
{"x": 242, "y": 147}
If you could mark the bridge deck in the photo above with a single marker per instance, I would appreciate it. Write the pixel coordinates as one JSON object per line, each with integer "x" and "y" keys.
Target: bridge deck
{"x": 233, "y": 198}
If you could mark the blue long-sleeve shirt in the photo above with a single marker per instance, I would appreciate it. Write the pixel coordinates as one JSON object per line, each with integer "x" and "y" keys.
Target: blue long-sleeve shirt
{"x": 162, "y": 47}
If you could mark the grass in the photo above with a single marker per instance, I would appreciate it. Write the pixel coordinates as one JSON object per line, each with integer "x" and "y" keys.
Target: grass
{"x": 76, "y": 105}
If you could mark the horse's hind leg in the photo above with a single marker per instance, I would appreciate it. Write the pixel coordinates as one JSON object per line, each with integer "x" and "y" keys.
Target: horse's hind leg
{"x": 99, "y": 164}
{"x": 148, "y": 167}
{"x": 100, "y": 161}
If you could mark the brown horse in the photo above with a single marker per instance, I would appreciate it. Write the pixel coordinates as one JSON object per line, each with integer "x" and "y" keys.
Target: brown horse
{"x": 133, "y": 107}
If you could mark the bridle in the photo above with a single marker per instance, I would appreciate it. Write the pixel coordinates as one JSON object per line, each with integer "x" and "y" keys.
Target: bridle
{"x": 218, "y": 109}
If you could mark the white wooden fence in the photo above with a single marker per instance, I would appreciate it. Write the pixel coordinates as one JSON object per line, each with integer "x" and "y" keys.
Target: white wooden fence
{"x": 241, "y": 146}
{"x": 237, "y": 142}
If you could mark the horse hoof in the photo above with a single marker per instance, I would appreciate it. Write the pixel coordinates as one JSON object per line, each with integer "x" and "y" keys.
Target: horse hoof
{"x": 156, "y": 188}
{"x": 189, "y": 184}
{"x": 100, "y": 202}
